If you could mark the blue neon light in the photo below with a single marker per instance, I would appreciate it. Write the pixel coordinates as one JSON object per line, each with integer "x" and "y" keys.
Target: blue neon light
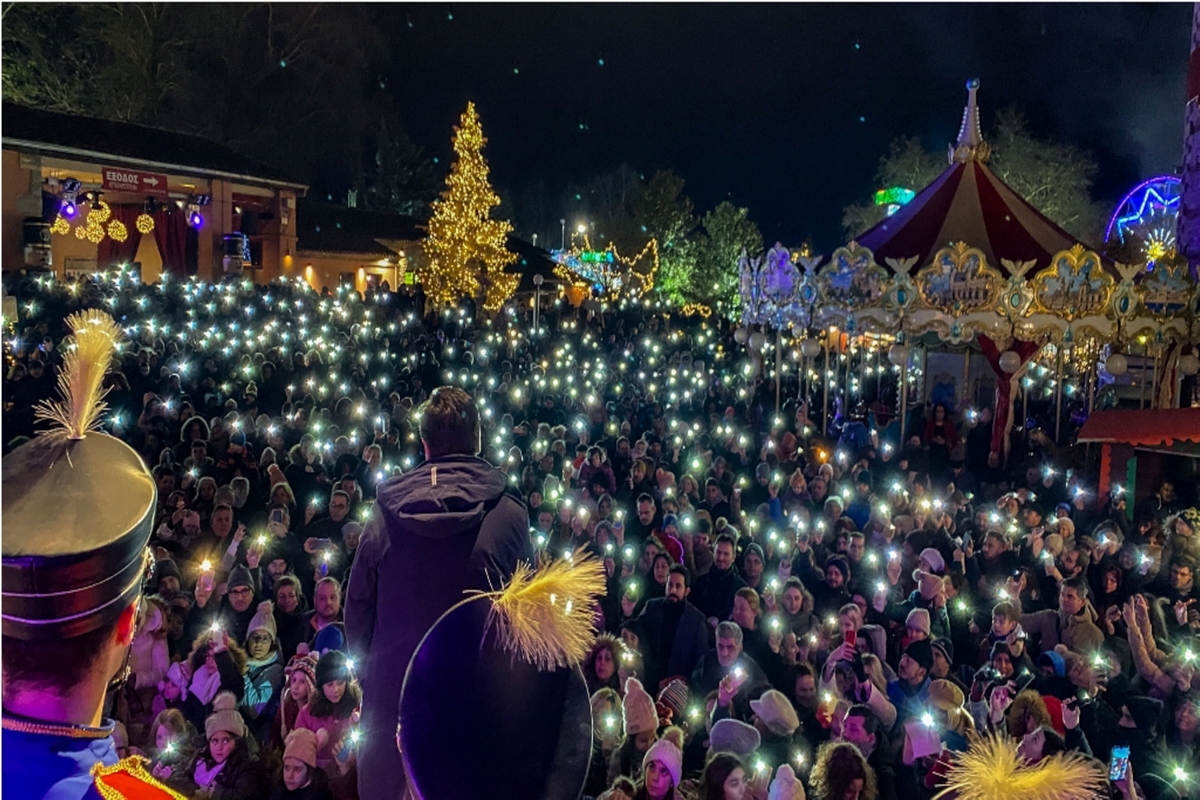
{"x": 1148, "y": 200}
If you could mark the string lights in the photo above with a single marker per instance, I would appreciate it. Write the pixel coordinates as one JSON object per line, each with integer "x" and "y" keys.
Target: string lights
{"x": 99, "y": 214}
{"x": 613, "y": 276}
{"x": 466, "y": 247}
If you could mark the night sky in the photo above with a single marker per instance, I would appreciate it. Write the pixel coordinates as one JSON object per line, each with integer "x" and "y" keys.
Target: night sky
{"x": 785, "y": 109}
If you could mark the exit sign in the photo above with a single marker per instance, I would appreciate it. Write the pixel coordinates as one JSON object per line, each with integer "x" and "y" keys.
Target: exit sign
{"x": 118, "y": 179}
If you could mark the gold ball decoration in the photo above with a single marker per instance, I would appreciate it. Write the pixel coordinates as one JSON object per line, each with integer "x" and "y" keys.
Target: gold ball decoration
{"x": 144, "y": 223}
{"x": 99, "y": 214}
{"x": 94, "y": 234}
{"x": 60, "y": 226}
{"x": 117, "y": 231}
{"x": 81, "y": 232}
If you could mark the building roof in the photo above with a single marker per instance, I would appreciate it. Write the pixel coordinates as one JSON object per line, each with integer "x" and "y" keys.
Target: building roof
{"x": 324, "y": 228}
{"x": 968, "y": 203}
{"x": 137, "y": 146}
{"x": 531, "y": 260}
{"x": 1164, "y": 426}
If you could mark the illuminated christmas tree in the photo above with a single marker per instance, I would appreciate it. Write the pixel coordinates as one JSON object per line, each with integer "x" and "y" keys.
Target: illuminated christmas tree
{"x": 465, "y": 246}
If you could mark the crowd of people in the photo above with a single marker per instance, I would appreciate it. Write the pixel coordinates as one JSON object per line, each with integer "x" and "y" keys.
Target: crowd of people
{"x": 793, "y": 609}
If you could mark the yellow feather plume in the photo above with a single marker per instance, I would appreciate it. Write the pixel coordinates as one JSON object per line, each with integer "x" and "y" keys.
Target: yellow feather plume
{"x": 544, "y": 616}
{"x": 992, "y": 770}
{"x": 88, "y": 355}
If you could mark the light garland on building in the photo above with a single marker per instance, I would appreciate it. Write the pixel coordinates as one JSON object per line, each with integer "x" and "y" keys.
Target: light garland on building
{"x": 466, "y": 247}
{"x": 60, "y": 226}
{"x": 144, "y": 223}
{"x": 117, "y": 231}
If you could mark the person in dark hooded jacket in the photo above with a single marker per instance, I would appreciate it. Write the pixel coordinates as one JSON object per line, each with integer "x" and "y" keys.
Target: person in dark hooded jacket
{"x": 444, "y": 527}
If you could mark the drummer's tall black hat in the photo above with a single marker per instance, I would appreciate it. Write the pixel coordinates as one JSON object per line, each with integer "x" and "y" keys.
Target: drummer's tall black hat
{"x": 78, "y": 506}
{"x": 494, "y": 703}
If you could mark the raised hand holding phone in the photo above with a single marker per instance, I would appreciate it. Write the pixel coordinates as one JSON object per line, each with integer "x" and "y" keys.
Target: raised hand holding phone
{"x": 1118, "y": 763}
{"x": 1070, "y": 714}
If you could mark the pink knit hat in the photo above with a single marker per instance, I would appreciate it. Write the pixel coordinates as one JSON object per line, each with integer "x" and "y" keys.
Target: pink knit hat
{"x": 640, "y": 715}
{"x": 666, "y": 753}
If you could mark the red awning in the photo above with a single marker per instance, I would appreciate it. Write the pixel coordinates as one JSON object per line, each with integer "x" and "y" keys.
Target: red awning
{"x": 1143, "y": 428}
{"x": 968, "y": 203}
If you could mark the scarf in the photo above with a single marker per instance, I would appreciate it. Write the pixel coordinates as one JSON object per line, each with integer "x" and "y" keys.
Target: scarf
{"x": 205, "y": 776}
{"x": 205, "y": 684}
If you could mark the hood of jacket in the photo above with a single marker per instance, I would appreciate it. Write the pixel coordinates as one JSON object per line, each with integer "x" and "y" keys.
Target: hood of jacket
{"x": 443, "y": 497}
{"x": 878, "y": 637}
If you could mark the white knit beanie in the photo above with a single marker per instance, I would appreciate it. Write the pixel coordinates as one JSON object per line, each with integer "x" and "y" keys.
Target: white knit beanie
{"x": 785, "y": 786}
{"x": 263, "y": 620}
{"x": 640, "y": 715}
{"x": 919, "y": 618}
{"x": 666, "y": 753}
{"x": 934, "y": 559}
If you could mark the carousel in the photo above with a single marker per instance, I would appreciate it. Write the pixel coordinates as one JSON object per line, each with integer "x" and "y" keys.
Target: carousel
{"x": 966, "y": 295}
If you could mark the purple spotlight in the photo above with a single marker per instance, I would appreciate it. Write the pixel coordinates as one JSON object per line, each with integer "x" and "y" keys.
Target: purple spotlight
{"x": 68, "y": 209}
{"x": 194, "y": 219}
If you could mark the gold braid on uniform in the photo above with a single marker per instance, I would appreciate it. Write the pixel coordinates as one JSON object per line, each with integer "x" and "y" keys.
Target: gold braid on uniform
{"x": 53, "y": 729}
{"x": 135, "y": 767}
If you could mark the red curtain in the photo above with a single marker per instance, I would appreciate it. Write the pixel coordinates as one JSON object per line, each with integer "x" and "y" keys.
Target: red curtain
{"x": 1002, "y": 421}
{"x": 112, "y": 253}
{"x": 170, "y": 234}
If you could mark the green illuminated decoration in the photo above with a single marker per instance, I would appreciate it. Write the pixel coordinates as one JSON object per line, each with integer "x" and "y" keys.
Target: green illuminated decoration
{"x": 895, "y": 196}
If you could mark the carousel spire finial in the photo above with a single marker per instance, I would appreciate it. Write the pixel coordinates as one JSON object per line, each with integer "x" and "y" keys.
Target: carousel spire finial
{"x": 970, "y": 146}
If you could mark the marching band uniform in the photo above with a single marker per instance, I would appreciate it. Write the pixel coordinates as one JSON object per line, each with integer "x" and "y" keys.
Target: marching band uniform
{"x": 78, "y": 506}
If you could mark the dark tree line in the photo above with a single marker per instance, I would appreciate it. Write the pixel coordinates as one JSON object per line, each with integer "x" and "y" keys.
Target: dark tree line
{"x": 295, "y": 86}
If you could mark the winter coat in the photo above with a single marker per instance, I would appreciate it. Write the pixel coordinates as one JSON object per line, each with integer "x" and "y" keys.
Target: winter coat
{"x": 602, "y": 474}
{"x": 1079, "y": 632}
{"x": 939, "y": 620}
{"x": 285, "y": 718}
{"x": 445, "y": 526}
{"x": 336, "y": 729}
{"x": 247, "y": 784}
{"x": 317, "y": 790}
{"x": 264, "y": 682}
{"x": 292, "y": 630}
{"x": 713, "y": 592}
{"x": 149, "y": 657}
{"x": 684, "y": 651}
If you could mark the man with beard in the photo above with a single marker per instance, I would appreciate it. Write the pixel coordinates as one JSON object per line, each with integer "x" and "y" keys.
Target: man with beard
{"x": 674, "y": 636}
{"x": 233, "y": 612}
{"x": 831, "y": 594}
{"x": 715, "y": 589}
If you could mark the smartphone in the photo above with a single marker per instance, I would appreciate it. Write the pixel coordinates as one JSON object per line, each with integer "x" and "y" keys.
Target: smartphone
{"x": 1118, "y": 764}
{"x": 277, "y": 515}
{"x": 852, "y": 638}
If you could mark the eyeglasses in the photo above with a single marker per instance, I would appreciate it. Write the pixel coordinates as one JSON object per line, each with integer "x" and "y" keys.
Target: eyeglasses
{"x": 242, "y": 591}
